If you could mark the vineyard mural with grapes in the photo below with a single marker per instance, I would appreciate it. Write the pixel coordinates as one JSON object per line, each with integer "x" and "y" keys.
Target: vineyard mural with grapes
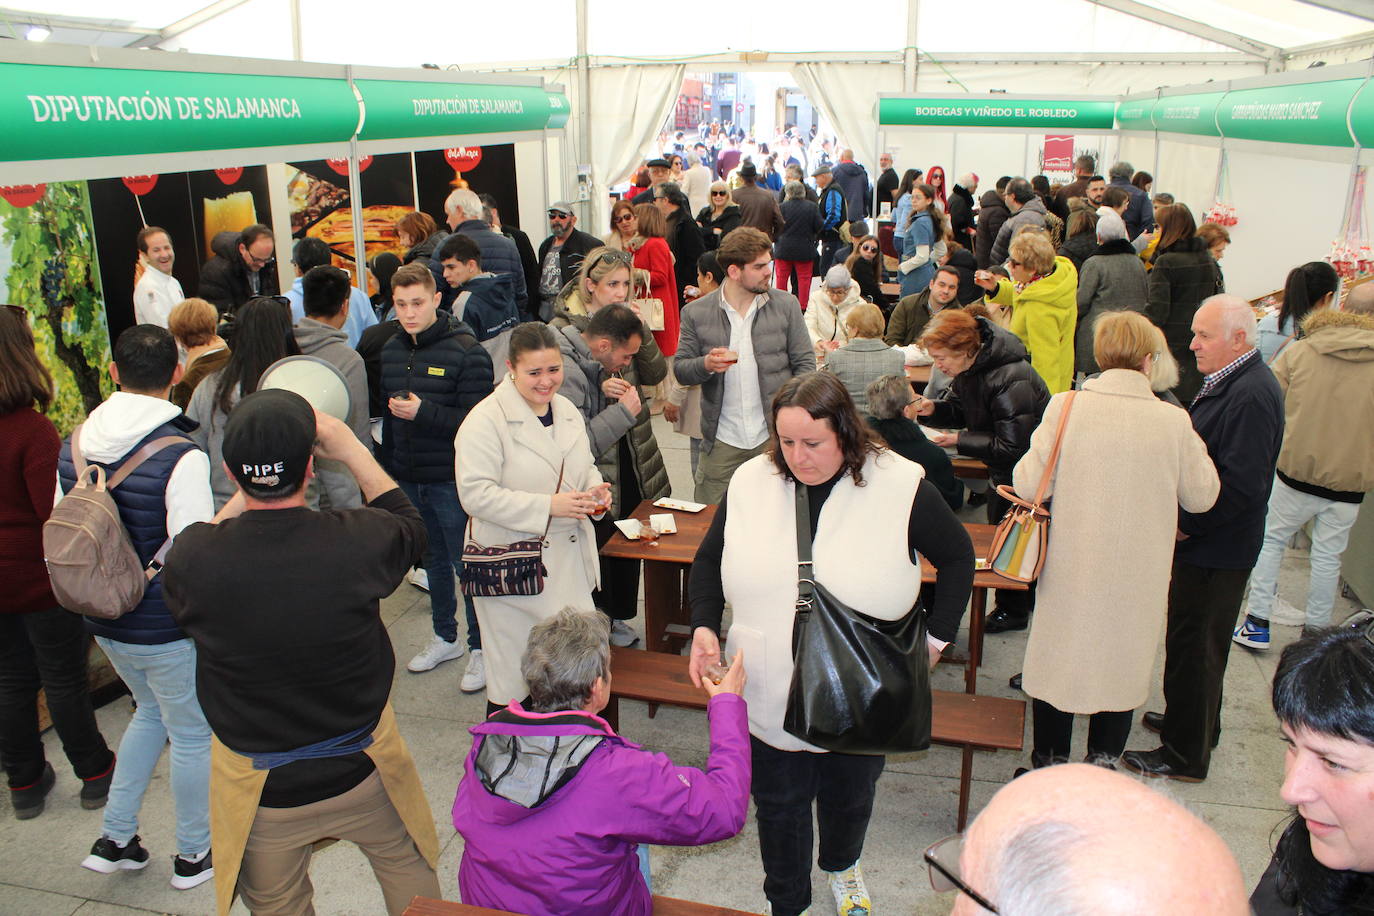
{"x": 51, "y": 270}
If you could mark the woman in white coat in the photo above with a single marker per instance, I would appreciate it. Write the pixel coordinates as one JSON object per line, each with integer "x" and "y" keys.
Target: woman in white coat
{"x": 830, "y": 307}
{"x": 1127, "y": 462}
{"x": 524, "y": 463}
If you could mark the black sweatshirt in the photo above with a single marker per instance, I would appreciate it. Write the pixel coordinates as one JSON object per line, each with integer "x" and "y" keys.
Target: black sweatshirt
{"x": 933, "y": 531}
{"x": 290, "y": 648}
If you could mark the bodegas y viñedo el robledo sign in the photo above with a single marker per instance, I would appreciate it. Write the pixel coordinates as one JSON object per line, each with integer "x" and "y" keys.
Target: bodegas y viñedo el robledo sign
{"x": 921, "y": 111}
{"x": 51, "y": 112}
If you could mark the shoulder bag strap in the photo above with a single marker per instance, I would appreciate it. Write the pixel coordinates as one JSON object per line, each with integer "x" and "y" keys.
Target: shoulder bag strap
{"x": 78, "y": 459}
{"x": 132, "y": 462}
{"x": 1048, "y": 475}
{"x": 1286, "y": 341}
{"x": 559, "y": 486}
{"x": 806, "y": 571}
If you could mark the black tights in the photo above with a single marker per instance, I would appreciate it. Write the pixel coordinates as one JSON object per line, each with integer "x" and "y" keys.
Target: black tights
{"x": 1053, "y": 733}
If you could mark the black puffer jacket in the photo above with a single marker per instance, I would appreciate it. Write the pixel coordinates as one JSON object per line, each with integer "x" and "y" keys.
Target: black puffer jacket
{"x": 996, "y": 403}
{"x": 426, "y": 249}
{"x": 1183, "y": 275}
{"x": 730, "y": 218}
{"x": 991, "y": 216}
{"x": 450, "y": 372}
{"x": 1079, "y": 248}
{"x": 801, "y": 226}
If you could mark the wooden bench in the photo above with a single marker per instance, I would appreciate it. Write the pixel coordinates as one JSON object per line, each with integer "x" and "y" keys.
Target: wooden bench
{"x": 663, "y": 906}
{"x": 963, "y": 720}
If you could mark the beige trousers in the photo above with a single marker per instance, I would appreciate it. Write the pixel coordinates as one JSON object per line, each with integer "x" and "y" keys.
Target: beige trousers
{"x": 274, "y": 879}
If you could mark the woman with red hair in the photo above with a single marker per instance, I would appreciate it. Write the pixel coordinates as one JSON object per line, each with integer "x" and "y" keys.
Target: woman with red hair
{"x": 936, "y": 179}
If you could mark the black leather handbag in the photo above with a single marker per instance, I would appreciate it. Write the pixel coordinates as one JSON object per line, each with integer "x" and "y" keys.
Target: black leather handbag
{"x": 859, "y": 685}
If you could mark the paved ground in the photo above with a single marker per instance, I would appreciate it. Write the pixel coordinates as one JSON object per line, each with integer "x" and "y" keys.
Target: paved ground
{"x": 917, "y": 795}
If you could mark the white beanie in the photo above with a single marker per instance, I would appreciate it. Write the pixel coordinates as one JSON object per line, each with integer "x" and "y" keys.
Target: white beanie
{"x": 1110, "y": 226}
{"x": 837, "y": 277}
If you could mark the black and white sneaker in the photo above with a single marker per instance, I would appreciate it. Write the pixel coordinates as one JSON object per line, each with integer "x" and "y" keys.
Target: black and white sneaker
{"x": 191, "y": 872}
{"x": 108, "y": 857}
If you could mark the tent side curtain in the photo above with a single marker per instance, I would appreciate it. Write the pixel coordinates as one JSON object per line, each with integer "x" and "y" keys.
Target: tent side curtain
{"x": 628, "y": 108}
{"x": 846, "y": 94}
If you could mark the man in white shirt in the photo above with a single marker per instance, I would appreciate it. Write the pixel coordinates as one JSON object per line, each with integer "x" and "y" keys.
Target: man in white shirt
{"x": 157, "y": 291}
{"x": 740, "y": 344}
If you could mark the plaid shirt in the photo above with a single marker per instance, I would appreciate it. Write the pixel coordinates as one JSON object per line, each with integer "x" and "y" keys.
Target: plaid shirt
{"x": 1210, "y": 382}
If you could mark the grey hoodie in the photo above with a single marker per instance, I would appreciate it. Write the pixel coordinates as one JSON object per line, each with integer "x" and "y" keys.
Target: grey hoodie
{"x": 1032, "y": 214}
{"x": 315, "y": 338}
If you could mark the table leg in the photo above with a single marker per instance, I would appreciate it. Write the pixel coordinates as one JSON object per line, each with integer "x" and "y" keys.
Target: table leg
{"x": 965, "y": 784}
{"x": 977, "y": 607}
{"x": 663, "y": 601}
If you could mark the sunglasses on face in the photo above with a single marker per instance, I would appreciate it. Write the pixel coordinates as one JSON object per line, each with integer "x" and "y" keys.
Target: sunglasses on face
{"x": 624, "y": 217}
{"x": 718, "y": 193}
{"x": 558, "y": 214}
{"x": 868, "y": 249}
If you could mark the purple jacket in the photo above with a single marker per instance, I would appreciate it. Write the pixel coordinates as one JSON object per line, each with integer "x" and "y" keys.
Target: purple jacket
{"x": 552, "y": 807}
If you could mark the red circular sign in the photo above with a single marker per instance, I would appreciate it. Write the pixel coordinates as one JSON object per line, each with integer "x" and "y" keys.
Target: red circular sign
{"x": 464, "y": 158}
{"x": 340, "y": 166}
{"x": 230, "y": 176}
{"x": 739, "y": 107}
{"x": 23, "y": 195}
{"x": 140, "y": 184}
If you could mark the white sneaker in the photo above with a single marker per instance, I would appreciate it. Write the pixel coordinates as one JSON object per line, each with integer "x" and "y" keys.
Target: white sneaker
{"x": 437, "y": 652}
{"x": 851, "y": 895}
{"x": 475, "y": 678}
{"x": 420, "y": 579}
{"x": 622, "y": 635}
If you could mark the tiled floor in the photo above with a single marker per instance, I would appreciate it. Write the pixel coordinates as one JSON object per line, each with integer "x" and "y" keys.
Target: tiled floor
{"x": 917, "y": 796}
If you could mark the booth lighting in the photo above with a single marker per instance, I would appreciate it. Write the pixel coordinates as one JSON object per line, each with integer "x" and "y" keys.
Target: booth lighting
{"x": 38, "y": 33}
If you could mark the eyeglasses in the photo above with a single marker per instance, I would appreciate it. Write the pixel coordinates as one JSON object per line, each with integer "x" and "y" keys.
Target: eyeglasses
{"x": 720, "y": 193}
{"x": 624, "y": 218}
{"x": 1363, "y": 621}
{"x": 943, "y": 859}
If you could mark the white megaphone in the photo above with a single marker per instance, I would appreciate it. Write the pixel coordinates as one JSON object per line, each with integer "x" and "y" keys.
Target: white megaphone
{"x": 312, "y": 378}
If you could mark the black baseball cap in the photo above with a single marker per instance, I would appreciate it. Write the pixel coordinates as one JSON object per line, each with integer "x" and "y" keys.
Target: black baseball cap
{"x": 268, "y": 441}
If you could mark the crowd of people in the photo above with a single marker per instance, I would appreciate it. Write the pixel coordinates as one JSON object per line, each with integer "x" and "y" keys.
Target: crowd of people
{"x": 502, "y": 399}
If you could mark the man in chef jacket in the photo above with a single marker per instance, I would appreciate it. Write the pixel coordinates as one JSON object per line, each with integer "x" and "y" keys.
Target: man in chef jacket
{"x": 157, "y": 291}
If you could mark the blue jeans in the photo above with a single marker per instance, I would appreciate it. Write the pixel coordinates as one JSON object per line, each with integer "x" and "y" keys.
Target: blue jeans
{"x": 162, "y": 679}
{"x": 1289, "y": 510}
{"x": 446, "y": 523}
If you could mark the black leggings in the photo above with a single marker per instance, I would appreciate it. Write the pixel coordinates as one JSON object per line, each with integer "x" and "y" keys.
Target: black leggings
{"x": 1053, "y": 733}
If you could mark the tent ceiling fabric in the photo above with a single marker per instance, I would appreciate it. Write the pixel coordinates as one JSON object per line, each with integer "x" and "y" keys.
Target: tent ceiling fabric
{"x": 547, "y": 30}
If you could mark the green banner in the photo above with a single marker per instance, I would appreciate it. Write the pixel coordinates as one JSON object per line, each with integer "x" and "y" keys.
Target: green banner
{"x": 60, "y": 112}
{"x": 996, "y": 111}
{"x": 1194, "y": 114}
{"x": 1309, "y": 113}
{"x": 1135, "y": 114}
{"x": 1362, "y": 116}
{"x": 559, "y": 109}
{"x": 399, "y": 109}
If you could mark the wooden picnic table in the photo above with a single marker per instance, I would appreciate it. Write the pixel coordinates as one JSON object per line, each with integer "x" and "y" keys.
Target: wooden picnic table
{"x": 668, "y": 563}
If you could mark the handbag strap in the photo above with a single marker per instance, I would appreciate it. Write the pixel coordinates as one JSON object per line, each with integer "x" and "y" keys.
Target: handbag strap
{"x": 563, "y": 464}
{"x": 806, "y": 570}
{"x": 1048, "y": 475}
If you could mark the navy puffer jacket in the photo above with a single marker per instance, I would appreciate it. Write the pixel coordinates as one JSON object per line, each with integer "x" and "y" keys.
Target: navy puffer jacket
{"x": 142, "y": 502}
{"x": 499, "y": 256}
{"x": 449, "y": 371}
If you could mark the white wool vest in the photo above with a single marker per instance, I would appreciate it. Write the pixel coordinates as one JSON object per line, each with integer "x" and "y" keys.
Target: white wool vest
{"x": 860, "y": 554}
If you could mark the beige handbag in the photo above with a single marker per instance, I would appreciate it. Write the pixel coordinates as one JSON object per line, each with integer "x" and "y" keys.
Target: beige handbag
{"x": 650, "y": 308}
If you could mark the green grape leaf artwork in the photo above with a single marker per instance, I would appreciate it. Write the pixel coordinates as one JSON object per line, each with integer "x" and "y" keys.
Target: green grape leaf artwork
{"x": 52, "y": 272}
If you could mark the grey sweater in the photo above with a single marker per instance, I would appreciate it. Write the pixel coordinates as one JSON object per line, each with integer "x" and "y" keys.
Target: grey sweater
{"x": 1112, "y": 279}
{"x": 782, "y": 349}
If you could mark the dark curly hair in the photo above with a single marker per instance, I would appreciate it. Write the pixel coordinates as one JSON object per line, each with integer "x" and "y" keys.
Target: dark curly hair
{"x": 1324, "y": 684}
{"x": 824, "y": 397}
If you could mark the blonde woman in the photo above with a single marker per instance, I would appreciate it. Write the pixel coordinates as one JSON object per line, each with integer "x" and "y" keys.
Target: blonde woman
{"x": 719, "y": 216}
{"x": 1043, "y": 295}
{"x": 1098, "y": 623}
